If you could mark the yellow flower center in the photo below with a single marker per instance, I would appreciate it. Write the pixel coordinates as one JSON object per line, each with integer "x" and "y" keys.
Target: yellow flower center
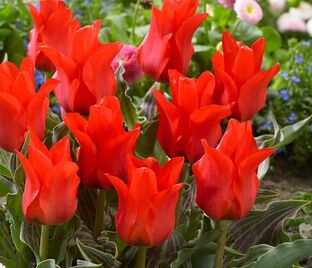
{"x": 249, "y": 9}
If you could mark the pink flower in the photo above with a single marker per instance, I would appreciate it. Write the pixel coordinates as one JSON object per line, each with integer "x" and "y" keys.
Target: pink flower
{"x": 227, "y": 3}
{"x": 248, "y": 11}
{"x": 289, "y": 23}
{"x": 128, "y": 55}
{"x": 277, "y": 5}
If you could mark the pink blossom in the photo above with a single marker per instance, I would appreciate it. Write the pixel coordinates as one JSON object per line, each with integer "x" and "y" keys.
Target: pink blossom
{"x": 248, "y": 11}
{"x": 277, "y": 5}
{"x": 128, "y": 56}
{"x": 227, "y": 3}
{"x": 289, "y": 23}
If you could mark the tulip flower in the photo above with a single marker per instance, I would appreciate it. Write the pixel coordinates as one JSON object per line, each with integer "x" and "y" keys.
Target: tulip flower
{"x": 168, "y": 44}
{"x": 190, "y": 117}
{"x": 50, "y": 195}
{"x": 147, "y": 203}
{"x": 86, "y": 74}
{"x": 21, "y": 109}
{"x": 226, "y": 176}
{"x": 104, "y": 144}
{"x": 239, "y": 81}
{"x": 53, "y": 26}
{"x": 128, "y": 57}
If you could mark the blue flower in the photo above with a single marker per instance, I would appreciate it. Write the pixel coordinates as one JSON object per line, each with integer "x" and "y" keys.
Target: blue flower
{"x": 283, "y": 75}
{"x": 292, "y": 118}
{"x": 266, "y": 126}
{"x": 284, "y": 94}
{"x": 306, "y": 43}
{"x": 18, "y": 25}
{"x": 295, "y": 79}
{"x": 299, "y": 59}
{"x": 310, "y": 69}
{"x": 39, "y": 79}
{"x": 310, "y": 128}
{"x": 56, "y": 109}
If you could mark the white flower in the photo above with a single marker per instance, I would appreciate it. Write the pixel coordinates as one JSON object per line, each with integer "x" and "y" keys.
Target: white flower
{"x": 2, "y": 265}
{"x": 248, "y": 10}
{"x": 277, "y": 5}
{"x": 309, "y": 27}
{"x": 303, "y": 11}
{"x": 287, "y": 22}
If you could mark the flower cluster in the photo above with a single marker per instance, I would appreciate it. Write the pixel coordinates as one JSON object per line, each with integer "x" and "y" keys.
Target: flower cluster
{"x": 101, "y": 150}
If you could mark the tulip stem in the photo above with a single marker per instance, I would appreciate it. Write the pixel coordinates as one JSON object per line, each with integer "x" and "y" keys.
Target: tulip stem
{"x": 44, "y": 241}
{"x": 140, "y": 263}
{"x": 99, "y": 214}
{"x": 237, "y": 23}
{"x": 136, "y": 11}
{"x": 184, "y": 176}
{"x": 221, "y": 243}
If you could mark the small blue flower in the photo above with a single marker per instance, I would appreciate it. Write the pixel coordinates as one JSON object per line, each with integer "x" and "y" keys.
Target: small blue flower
{"x": 306, "y": 43}
{"x": 56, "y": 109}
{"x": 266, "y": 126}
{"x": 39, "y": 79}
{"x": 295, "y": 79}
{"x": 284, "y": 94}
{"x": 18, "y": 25}
{"x": 310, "y": 69}
{"x": 310, "y": 128}
{"x": 284, "y": 75}
{"x": 299, "y": 59}
{"x": 79, "y": 12}
{"x": 292, "y": 118}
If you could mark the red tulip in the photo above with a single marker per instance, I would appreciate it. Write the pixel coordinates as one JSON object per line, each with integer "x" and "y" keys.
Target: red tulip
{"x": 226, "y": 176}
{"x": 50, "y": 195}
{"x": 168, "y": 45}
{"x": 53, "y": 26}
{"x": 147, "y": 203}
{"x": 104, "y": 144}
{"x": 21, "y": 109}
{"x": 86, "y": 74}
{"x": 239, "y": 81}
{"x": 190, "y": 117}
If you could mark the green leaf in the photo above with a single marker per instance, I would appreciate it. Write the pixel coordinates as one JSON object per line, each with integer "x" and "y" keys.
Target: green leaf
{"x": 267, "y": 224}
{"x": 86, "y": 264}
{"x": 282, "y": 136}
{"x": 187, "y": 251}
{"x": 265, "y": 195}
{"x": 252, "y": 254}
{"x": 49, "y": 263}
{"x": 128, "y": 108}
{"x": 5, "y": 171}
{"x": 7, "y": 263}
{"x": 6, "y": 187}
{"x": 272, "y": 37}
{"x": 94, "y": 255}
{"x": 284, "y": 255}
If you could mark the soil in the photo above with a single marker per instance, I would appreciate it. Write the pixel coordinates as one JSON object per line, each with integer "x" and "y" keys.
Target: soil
{"x": 286, "y": 178}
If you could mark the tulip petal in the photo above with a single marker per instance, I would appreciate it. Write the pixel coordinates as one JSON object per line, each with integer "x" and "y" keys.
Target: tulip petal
{"x": 61, "y": 188}
{"x": 205, "y": 124}
{"x": 230, "y": 48}
{"x": 38, "y": 107}
{"x": 13, "y": 122}
{"x": 205, "y": 85}
{"x": 226, "y": 90}
{"x": 169, "y": 173}
{"x": 258, "y": 48}
{"x": 97, "y": 71}
{"x": 243, "y": 66}
{"x": 252, "y": 94}
{"x": 183, "y": 39}
{"x": 85, "y": 42}
{"x": 167, "y": 127}
{"x": 214, "y": 180}
{"x": 247, "y": 185}
{"x": 60, "y": 151}
{"x": 87, "y": 152}
{"x": 30, "y": 204}
{"x": 154, "y": 64}
{"x": 162, "y": 219}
